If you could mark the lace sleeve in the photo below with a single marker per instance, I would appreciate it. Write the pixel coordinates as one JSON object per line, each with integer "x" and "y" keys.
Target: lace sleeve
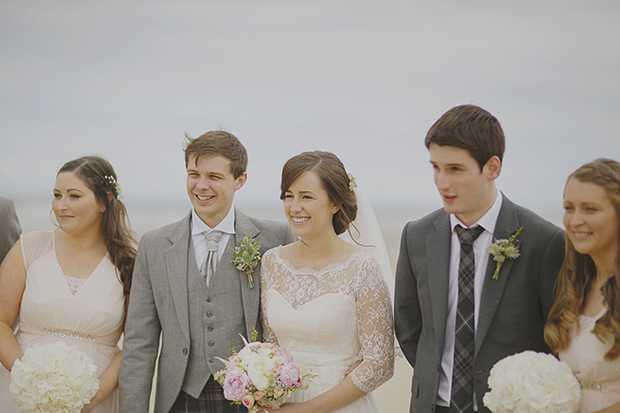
{"x": 265, "y": 283}
{"x": 375, "y": 327}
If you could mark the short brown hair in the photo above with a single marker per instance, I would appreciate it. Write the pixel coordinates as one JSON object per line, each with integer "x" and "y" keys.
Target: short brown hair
{"x": 218, "y": 143}
{"x": 333, "y": 177}
{"x": 471, "y": 128}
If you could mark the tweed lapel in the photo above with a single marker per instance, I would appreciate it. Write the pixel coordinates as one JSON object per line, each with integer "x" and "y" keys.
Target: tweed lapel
{"x": 492, "y": 290}
{"x": 438, "y": 261}
{"x": 176, "y": 258}
{"x": 251, "y": 297}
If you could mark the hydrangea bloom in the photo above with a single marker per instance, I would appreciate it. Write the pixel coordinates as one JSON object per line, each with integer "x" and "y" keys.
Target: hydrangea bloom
{"x": 53, "y": 378}
{"x": 531, "y": 382}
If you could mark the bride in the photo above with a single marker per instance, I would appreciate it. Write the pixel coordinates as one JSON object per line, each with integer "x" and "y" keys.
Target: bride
{"x": 323, "y": 298}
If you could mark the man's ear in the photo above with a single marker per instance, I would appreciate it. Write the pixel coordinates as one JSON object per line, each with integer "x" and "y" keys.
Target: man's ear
{"x": 241, "y": 181}
{"x": 493, "y": 167}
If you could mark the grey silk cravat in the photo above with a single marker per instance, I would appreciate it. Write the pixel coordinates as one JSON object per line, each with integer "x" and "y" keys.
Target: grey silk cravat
{"x": 210, "y": 264}
{"x": 462, "y": 397}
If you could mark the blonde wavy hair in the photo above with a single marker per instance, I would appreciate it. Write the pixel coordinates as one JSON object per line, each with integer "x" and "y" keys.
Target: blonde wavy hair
{"x": 578, "y": 272}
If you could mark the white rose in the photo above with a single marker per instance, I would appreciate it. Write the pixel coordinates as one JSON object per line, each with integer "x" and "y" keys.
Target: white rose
{"x": 261, "y": 373}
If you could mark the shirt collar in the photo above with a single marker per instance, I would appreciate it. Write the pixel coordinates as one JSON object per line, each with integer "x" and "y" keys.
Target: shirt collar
{"x": 488, "y": 220}
{"x": 227, "y": 225}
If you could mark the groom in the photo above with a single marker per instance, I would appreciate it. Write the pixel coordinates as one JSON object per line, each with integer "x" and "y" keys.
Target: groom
{"x": 186, "y": 294}
{"x": 453, "y": 319}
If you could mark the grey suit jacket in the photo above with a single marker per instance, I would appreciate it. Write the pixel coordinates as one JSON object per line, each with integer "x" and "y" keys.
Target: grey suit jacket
{"x": 159, "y": 305}
{"x": 513, "y": 309}
{"x": 9, "y": 226}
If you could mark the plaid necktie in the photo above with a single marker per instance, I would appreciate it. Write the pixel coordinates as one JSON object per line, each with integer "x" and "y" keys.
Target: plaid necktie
{"x": 462, "y": 397}
{"x": 210, "y": 263}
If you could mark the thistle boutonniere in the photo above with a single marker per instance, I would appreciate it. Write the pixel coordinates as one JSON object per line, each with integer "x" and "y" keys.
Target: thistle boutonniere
{"x": 502, "y": 249}
{"x": 247, "y": 256}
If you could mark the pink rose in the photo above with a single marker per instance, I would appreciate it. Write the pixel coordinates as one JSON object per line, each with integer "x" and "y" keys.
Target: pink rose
{"x": 236, "y": 385}
{"x": 282, "y": 352}
{"x": 278, "y": 391}
{"x": 289, "y": 375}
{"x": 259, "y": 394}
{"x": 247, "y": 401}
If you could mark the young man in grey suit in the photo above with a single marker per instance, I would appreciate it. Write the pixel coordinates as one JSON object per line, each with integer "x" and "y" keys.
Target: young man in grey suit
{"x": 186, "y": 288}
{"x": 9, "y": 226}
{"x": 453, "y": 319}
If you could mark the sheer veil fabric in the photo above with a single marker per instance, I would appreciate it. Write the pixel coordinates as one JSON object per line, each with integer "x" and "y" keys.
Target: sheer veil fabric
{"x": 365, "y": 233}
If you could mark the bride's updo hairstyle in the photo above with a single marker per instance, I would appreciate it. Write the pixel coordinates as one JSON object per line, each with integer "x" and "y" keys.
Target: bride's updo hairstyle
{"x": 334, "y": 179}
{"x": 578, "y": 272}
{"x": 99, "y": 176}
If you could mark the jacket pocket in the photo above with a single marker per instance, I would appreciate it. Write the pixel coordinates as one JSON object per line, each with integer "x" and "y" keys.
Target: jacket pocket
{"x": 415, "y": 387}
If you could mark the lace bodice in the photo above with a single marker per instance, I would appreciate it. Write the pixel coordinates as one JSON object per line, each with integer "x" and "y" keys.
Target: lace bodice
{"x": 335, "y": 315}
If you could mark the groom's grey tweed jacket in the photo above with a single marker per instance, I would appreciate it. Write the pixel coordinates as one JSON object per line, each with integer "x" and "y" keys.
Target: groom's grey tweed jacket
{"x": 196, "y": 324}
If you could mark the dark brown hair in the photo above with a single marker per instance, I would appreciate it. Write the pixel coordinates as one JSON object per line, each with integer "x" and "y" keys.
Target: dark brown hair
{"x": 578, "y": 272}
{"x": 471, "y": 128}
{"x": 334, "y": 179}
{"x": 218, "y": 143}
{"x": 99, "y": 177}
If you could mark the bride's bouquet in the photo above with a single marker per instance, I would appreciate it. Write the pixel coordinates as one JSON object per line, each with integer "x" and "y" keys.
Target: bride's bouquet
{"x": 261, "y": 375}
{"x": 531, "y": 382}
{"x": 53, "y": 378}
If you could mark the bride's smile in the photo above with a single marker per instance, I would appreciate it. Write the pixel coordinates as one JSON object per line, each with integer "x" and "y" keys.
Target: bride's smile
{"x": 308, "y": 207}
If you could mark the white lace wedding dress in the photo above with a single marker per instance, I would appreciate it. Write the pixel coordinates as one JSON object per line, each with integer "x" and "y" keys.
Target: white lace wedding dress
{"x": 330, "y": 318}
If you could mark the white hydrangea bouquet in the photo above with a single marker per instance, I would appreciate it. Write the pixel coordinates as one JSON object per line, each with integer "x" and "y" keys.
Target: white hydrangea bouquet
{"x": 531, "y": 382}
{"x": 261, "y": 375}
{"x": 53, "y": 378}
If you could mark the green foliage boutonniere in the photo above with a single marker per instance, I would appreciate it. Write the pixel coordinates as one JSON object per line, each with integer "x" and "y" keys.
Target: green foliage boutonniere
{"x": 247, "y": 256}
{"x": 502, "y": 249}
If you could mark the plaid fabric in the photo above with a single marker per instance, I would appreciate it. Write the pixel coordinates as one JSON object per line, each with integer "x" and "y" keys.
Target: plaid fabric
{"x": 462, "y": 398}
{"x": 211, "y": 400}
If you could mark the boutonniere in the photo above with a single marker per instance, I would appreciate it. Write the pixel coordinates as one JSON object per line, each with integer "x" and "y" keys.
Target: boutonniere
{"x": 247, "y": 256}
{"x": 502, "y": 249}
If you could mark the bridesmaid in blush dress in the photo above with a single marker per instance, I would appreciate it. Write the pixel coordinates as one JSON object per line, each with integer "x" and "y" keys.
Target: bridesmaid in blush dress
{"x": 71, "y": 284}
{"x": 583, "y": 326}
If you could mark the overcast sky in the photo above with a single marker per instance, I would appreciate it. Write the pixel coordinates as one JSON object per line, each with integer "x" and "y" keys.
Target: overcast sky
{"x": 363, "y": 79}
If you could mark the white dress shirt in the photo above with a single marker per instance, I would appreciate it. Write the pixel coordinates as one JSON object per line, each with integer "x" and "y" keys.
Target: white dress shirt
{"x": 481, "y": 256}
{"x": 199, "y": 229}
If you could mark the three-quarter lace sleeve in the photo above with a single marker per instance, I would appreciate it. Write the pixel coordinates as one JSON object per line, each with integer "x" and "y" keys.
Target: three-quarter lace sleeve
{"x": 265, "y": 283}
{"x": 375, "y": 327}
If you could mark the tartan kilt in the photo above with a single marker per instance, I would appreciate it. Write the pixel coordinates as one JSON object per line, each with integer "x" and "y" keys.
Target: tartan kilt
{"x": 211, "y": 400}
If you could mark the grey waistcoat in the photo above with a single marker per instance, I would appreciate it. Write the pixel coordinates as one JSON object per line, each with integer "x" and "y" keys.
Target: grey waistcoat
{"x": 215, "y": 321}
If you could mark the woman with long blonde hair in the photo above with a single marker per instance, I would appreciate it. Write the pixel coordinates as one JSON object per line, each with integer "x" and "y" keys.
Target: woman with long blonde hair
{"x": 583, "y": 326}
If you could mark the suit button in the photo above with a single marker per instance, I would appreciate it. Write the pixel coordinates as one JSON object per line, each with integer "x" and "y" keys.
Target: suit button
{"x": 185, "y": 351}
{"x": 209, "y": 299}
{"x": 211, "y": 343}
{"x": 211, "y": 360}
{"x": 209, "y": 314}
{"x": 209, "y": 328}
